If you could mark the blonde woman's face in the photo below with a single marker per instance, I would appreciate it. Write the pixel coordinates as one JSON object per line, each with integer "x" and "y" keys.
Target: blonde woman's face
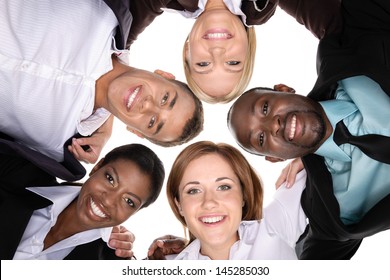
{"x": 216, "y": 52}
{"x": 211, "y": 201}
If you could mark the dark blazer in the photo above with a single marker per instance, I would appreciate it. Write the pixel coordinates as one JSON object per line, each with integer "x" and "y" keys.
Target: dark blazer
{"x": 18, "y": 204}
{"x": 320, "y": 17}
{"x": 362, "y": 48}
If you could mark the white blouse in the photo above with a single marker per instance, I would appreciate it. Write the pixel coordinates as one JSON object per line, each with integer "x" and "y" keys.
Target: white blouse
{"x": 42, "y": 220}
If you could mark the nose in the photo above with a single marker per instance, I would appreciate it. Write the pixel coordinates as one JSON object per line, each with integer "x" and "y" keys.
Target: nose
{"x": 217, "y": 51}
{"x": 271, "y": 125}
{"x": 147, "y": 105}
{"x": 209, "y": 201}
{"x": 109, "y": 198}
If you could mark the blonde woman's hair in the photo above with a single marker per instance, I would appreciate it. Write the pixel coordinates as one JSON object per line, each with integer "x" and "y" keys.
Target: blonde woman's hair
{"x": 240, "y": 87}
{"x": 251, "y": 184}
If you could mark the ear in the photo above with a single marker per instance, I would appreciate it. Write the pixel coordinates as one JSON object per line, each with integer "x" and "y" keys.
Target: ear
{"x": 274, "y": 159}
{"x": 284, "y": 88}
{"x": 139, "y": 134}
{"x": 179, "y": 207}
{"x": 96, "y": 167}
{"x": 164, "y": 74}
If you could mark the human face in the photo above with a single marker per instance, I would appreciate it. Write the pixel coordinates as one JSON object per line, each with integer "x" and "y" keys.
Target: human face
{"x": 277, "y": 124}
{"x": 211, "y": 200}
{"x": 112, "y": 194}
{"x": 150, "y": 105}
{"x": 216, "y": 51}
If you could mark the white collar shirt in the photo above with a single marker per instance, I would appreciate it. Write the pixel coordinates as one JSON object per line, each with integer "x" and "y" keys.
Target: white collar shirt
{"x": 234, "y": 6}
{"x": 51, "y": 54}
{"x": 273, "y": 237}
{"x": 32, "y": 242}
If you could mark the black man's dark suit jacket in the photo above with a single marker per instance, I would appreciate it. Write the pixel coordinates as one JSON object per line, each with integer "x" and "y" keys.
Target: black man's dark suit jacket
{"x": 363, "y": 48}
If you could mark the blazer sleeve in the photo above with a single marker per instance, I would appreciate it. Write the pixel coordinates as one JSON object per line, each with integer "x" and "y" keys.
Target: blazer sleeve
{"x": 258, "y": 11}
{"x": 320, "y": 17}
{"x": 145, "y": 11}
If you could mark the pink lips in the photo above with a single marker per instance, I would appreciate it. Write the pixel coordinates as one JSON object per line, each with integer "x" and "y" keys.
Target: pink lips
{"x": 217, "y": 34}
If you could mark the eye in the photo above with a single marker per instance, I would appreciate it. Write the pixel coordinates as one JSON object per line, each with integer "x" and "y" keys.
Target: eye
{"x": 224, "y": 188}
{"x": 152, "y": 122}
{"x": 129, "y": 202}
{"x": 165, "y": 99}
{"x": 203, "y": 64}
{"x": 265, "y": 108}
{"x": 193, "y": 191}
{"x": 110, "y": 179}
{"x": 233, "y": 62}
{"x": 261, "y": 139}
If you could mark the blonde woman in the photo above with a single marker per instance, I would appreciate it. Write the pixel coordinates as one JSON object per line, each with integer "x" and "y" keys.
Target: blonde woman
{"x": 219, "y": 52}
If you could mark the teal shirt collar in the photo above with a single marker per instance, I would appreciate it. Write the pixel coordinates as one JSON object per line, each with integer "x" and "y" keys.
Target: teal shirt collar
{"x": 336, "y": 110}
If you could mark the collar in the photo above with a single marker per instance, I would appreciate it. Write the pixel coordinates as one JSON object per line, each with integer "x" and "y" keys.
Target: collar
{"x": 234, "y": 6}
{"x": 336, "y": 110}
{"x": 246, "y": 240}
{"x": 62, "y": 196}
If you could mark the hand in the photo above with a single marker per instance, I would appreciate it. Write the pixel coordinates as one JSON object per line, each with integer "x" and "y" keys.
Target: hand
{"x": 122, "y": 241}
{"x": 94, "y": 143}
{"x": 289, "y": 173}
{"x": 166, "y": 245}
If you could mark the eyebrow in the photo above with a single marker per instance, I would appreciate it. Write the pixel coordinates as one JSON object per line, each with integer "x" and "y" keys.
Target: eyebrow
{"x": 170, "y": 107}
{"x": 223, "y": 178}
{"x": 135, "y": 196}
{"x": 216, "y": 180}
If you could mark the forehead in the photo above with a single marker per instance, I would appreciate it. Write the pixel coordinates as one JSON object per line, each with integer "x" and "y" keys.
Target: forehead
{"x": 216, "y": 165}
{"x": 132, "y": 178}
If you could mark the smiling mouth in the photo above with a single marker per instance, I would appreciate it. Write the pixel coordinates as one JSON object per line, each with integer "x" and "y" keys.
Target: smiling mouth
{"x": 132, "y": 96}
{"x": 217, "y": 35}
{"x": 96, "y": 209}
{"x": 212, "y": 220}
{"x": 293, "y": 126}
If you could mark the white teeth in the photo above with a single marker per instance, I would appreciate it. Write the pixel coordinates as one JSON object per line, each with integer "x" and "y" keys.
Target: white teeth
{"x": 217, "y": 35}
{"x": 133, "y": 95}
{"x": 293, "y": 127}
{"x": 96, "y": 210}
{"x": 211, "y": 220}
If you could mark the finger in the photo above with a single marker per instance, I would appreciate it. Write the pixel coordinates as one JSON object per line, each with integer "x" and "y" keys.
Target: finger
{"x": 295, "y": 167}
{"x": 118, "y": 244}
{"x": 282, "y": 177}
{"x": 157, "y": 255}
{"x": 74, "y": 152}
{"x": 123, "y": 236}
{"x": 172, "y": 244}
{"x": 154, "y": 246}
{"x": 87, "y": 156}
{"x": 126, "y": 254}
{"x": 115, "y": 229}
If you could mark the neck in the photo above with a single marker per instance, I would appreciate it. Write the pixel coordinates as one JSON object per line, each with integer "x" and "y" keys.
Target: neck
{"x": 215, "y": 5}
{"x": 221, "y": 253}
{"x": 65, "y": 226}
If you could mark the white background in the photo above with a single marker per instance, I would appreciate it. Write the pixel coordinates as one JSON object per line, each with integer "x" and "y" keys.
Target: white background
{"x": 286, "y": 54}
